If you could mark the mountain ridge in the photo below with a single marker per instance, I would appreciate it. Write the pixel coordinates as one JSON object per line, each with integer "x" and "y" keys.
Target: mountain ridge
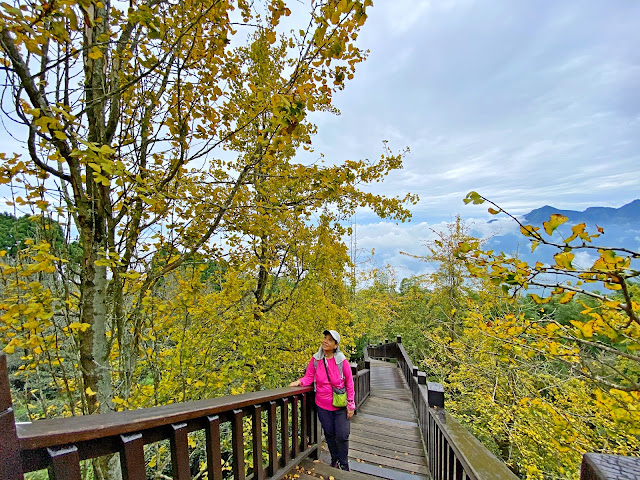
{"x": 627, "y": 214}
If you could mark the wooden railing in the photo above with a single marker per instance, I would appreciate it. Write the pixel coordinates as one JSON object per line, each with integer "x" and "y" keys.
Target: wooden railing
{"x": 454, "y": 453}
{"x": 361, "y": 380}
{"x": 292, "y": 433}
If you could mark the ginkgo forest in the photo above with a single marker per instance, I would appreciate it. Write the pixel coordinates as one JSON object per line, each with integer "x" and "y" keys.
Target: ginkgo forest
{"x": 163, "y": 243}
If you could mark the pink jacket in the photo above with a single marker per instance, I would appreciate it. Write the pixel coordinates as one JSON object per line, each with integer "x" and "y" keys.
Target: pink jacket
{"x": 324, "y": 390}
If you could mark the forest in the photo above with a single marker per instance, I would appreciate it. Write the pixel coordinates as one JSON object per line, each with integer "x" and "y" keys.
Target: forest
{"x": 164, "y": 244}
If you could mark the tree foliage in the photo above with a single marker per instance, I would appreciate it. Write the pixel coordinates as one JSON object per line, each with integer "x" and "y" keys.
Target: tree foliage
{"x": 165, "y": 136}
{"x": 516, "y": 383}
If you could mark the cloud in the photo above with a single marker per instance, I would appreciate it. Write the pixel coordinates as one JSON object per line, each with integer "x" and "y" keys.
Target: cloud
{"x": 529, "y": 103}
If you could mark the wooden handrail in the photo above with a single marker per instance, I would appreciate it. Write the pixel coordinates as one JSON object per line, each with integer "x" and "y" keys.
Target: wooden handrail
{"x": 453, "y": 452}
{"x": 60, "y": 444}
{"x": 61, "y": 431}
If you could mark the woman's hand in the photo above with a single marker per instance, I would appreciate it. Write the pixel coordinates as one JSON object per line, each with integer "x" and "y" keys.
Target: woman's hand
{"x": 297, "y": 383}
{"x": 350, "y": 414}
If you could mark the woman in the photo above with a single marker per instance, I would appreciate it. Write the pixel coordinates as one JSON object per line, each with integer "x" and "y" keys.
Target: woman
{"x": 323, "y": 369}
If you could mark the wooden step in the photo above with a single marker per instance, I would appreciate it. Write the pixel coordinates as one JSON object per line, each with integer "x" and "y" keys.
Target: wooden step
{"x": 383, "y": 445}
{"x": 387, "y": 473}
{"x": 381, "y": 461}
{"x": 318, "y": 469}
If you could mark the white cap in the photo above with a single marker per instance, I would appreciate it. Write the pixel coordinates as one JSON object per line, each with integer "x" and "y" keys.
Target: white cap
{"x": 335, "y": 335}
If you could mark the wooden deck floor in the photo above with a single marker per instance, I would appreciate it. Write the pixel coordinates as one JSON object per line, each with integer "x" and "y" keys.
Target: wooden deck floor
{"x": 385, "y": 439}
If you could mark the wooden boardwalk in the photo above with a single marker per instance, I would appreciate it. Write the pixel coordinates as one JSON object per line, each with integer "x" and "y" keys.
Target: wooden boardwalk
{"x": 385, "y": 440}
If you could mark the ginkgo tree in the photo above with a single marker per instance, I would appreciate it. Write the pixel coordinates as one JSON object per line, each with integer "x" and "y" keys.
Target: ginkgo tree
{"x": 602, "y": 344}
{"x": 516, "y": 382}
{"x": 604, "y": 347}
{"x": 159, "y": 130}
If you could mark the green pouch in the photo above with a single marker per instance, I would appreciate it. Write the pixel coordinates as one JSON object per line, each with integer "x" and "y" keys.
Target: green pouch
{"x": 339, "y": 397}
{"x": 339, "y": 394}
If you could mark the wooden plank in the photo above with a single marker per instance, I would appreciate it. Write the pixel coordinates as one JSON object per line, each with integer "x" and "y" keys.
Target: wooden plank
{"x": 388, "y": 414}
{"x": 237, "y": 445}
{"x": 272, "y": 445}
{"x": 385, "y": 439}
{"x": 295, "y": 438}
{"x": 9, "y": 448}
{"x": 256, "y": 440}
{"x": 322, "y": 469}
{"x": 390, "y": 432}
{"x": 386, "y": 472}
{"x": 304, "y": 428}
{"x": 132, "y": 461}
{"x": 180, "y": 452}
{"x": 392, "y": 404}
{"x": 9, "y": 445}
{"x": 284, "y": 433}
{"x": 387, "y": 423}
{"x": 404, "y": 411}
{"x": 389, "y": 403}
{"x": 354, "y": 439}
{"x": 390, "y": 435}
{"x": 389, "y": 453}
{"x": 65, "y": 463}
{"x": 389, "y": 462}
{"x": 214, "y": 451}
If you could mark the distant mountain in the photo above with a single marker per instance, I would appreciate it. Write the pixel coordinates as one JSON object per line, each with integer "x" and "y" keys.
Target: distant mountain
{"x": 627, "y": 214}
{"x": 621, "y": 229}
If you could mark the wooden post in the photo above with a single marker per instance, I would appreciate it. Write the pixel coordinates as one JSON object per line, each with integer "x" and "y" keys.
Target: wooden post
{"x": 237, "y": 443}
{"x": 356, "y": 387}
{"x": 132, "y": 457}
{"x": 256, "y": 442}
{"x": 435, "y": 394}
{"x": 398, "y": 338}
{"x": 599, "y": 466}
{"x": 295, "y": 438}
{"x": 272, "y": 435}
{"x": 214, "y": 453}
{"x": 284, "y": 434}
{"x": 9, "y": 445}
{"x": 179, "y": 442}
{"x": 317, "y": 431}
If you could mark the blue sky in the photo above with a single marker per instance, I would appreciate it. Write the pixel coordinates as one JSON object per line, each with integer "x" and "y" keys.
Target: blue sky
{"x": 527, "y": 102}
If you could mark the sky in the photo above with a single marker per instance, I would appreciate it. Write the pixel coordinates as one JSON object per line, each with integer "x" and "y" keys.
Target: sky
{"x": 530, "y": 103}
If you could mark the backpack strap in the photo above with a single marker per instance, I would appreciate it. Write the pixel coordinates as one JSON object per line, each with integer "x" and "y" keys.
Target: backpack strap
{"x": 315, "y": 367}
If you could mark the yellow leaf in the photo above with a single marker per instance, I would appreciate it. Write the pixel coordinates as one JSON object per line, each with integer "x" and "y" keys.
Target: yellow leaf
{"x": 59, "y": 135}
{"x": 270, "y": 35}
{"x": 566, "y": 298}
{"x": 529, "y": 230}
{"x": 473, "y": 197}
{"x": 564, "y": 259}
{"x": 554, "y": 222}
{"x": 577, "y": 230}
{"x": 90, "y": 392}
{"x": 95, "y": 53}
{"x": 539, "y": 300}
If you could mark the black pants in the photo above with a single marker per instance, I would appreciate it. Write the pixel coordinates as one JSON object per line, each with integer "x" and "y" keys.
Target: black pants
{"x": 336, "y": 428}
